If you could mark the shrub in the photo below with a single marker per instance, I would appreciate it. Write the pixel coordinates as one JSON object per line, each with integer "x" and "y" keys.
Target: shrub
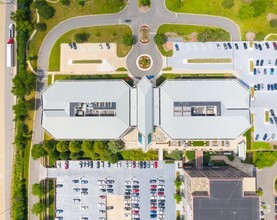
{"x": 175, "y": 155}
{"x": 38, "y": 151}
{"x": 259, "y": 192}
{"x": 81, "y": 2}
{"x": 259, "y": 7}
{"x": 82, "y": 37}
{"x": 38, "y": 208}
{"x": 177, "y": 197}
{"x": 213, "y": 35}
{"x": 273, "y": 23}
{"x": 265, "y": 159}
{"x": 227, "y": 4}
{"x": 38, "y": 189}
{"x": 65, "y": 2}
{"x": 190, "y": 155}
{"x": 128, "y": 40}
{"x": 46, "y": 11}
{"x": 177, "y": 4}
{"x": 41, "y": 26}
{"x": 246, "y": 11}
{"x": 160, "y": 39}
{"x": 145, "y": 2}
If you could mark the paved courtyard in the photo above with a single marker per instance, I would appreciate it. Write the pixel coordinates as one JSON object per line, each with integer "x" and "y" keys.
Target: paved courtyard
{"x": 75, "y": 204}
{"x": 90, "y": 51}
{"x": 261, "y": 80}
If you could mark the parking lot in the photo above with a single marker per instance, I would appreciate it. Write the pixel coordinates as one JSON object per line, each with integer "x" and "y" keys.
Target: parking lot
{"x": 126, "y": 190}
{"x": 261, "y": 77}
{"x": 90, "y": 52}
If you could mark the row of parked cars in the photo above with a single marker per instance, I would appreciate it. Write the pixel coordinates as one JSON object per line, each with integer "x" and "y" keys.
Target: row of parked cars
{"x": 157, "y": 198}
{"x": 132, "y": 199}
{"x": 137, "y": 164}
{"x": 269, "y": 87}
{"x": 265, "y": 71}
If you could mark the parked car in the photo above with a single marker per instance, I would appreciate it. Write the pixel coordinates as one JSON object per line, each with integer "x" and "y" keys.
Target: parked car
{"x": 70, "y": 45}
{"x": 66, "y": 164}
{"x": 127, "y": 20}
{"x": 257, "y": 62}
{"x": 254, "y": 71}
{"x": 108, "y": 46}
{"x": 236, "y": 46}
{"x": 267, "y": 45}
{"x": 272, "y": 112}
{"x": 84, "y": 182}
{"x": 256, "y": 46}
{"x": 176, "y": 47}
{"x": 100, "y": 46}
{"x": 271, "y": 120}
{"x": 275, "y": 45}
{"x": 265, "y": 136}
{"x": 257, "y": 137}
{"x": 74, "y": 45}
{"x": 260, "y": 47}
{"x": 217, "y": 46}
{"x": 262, "y": 62}
{"x": 245, "y": 46}
{"x": 150, "y": 77}
{"x": 255, "y": 87}
{"x": 265, "y": 71}
{"x": 229, "y": 45}
{"x": 225, "y": 46}
{"x": 271, "y": 71}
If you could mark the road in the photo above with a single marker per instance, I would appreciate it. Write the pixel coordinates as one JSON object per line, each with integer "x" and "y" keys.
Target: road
{"x": 138, "y": 18}
{"x": 265, "y": 181}
{"x": 7, "y": 124}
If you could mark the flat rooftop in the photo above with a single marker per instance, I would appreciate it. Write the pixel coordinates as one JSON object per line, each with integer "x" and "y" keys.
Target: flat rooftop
{"x": 204, "y": 109}
{"x": 226, "y": 202}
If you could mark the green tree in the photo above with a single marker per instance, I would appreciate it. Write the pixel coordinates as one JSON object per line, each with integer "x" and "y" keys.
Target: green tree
{"x": 21, "y": 109}
{"x": 246, "y": 11}
{"x": 160, "y": 39}
{"x": 151, "y": 155}
{"x": 46, "y": 11}
{"x": 265, "y": 159}
{"x": 145, "y": 2}
{"x": 259, "y": 7}
{"x": 65, "y": 2}
{"x": 177, "y": 183}
{"x": 115, "y": 146}
{"x": 273, "y": 23}
{"x": 177, "y": 197}
{"x": 75, "y": 146}
{"x": 54, "y": 154}
{"x": 259, "y": 192}
{"x": 76, "y": 156}
{"x": 100, "y": 147}
{"x": 38, "y": 189}
{"x": 128, "y": 40}
{"x": 38, "y": 208}
{"x": 114, "y": 158}
{"x": 23, "y": 83}
{"x": 38, "y": 151}
{"x": 260, "y": 36}
{"x": 64, "y": 155}
{"x": 62, "y": 146}
{"x": 190, "y": 155}
{"x": 49, "y": 145}
{"x": 39, "y": 4}
{"x": 41, "y": 26}
{"x": 81, "y": 37}
{"x": 227, "y": 4}
{"x": 87, "y": 146}
{"x": 81, "y": 2}
{"x": 94, "y": 156}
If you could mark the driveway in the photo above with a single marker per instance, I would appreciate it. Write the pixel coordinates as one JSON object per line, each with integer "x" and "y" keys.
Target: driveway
{"x": 265, "y": 180}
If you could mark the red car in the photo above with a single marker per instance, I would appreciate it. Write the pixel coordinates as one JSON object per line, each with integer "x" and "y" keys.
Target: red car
{"x": 135, "y": 190}
{"x": 135, "y": 212}
{"x": 156, "y": 164}
{"x": 153, "y": 208}
{"x": 160, "y": 193}
{"x": 102, "y": 197}
{"x": 66, "y": 163}
{"x": 153, "y": 187}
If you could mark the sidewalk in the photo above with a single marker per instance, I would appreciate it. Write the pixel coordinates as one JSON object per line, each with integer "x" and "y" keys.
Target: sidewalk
{"x": 3, "y": 206}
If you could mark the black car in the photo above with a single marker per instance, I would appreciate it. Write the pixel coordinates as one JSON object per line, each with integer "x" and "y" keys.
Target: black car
{"x": 91, "y": 164}
{"x": 127, "y": 20}
{"x": 275, "y": 86}
{"x": 256, "y": 46}
{"x": 265, "y": 136}
{"x": 262, "y": 62}
{"x": 276, "y": 200}
{"x": 98, "y": 164}
{"x": 257, "y": 62}
{"x": 245, "y": 46}
{"x": 141, "y": 164}
{"x": 127, "y": 208}
{"x": 136, "y": 186}
{"x": 70, "y": 45}
{"x": 225, "y": 46}
{"x": 127, "y": 194}
{"x": 74, "y": 46}
{"x": 109, "y": 165}
{"x": 176, "y": 47}
{"x": 144, "y": 164}
{"x": 108, "y": 46}
{"x": 272, "y": 112}
{"x": 152, "y": 181}
{"x": 81, "y": 164}
{"x": 255, "y": 87}
{"x": 229, "y": 45}
{"x": 236, "y": 46}
{"x": 276, "y": 209}
{"x": 260, "y": 47}
{"x": 267, "y": 45}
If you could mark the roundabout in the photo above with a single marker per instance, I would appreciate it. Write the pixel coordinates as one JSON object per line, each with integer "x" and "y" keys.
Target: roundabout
{"x": 144, "y": 62}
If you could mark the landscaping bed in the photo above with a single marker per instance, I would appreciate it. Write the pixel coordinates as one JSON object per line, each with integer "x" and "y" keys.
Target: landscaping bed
{"x": 210, "y": 60}
{"x": 144, "y": 34}
{"x": 87, "y": 61}
{"x": 144, "y": 62}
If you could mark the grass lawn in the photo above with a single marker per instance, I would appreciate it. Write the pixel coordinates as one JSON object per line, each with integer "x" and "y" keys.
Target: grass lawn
{"x": 272, "y": 37}
{"x": 165, "y": 76}
{"x": 261, "y": 146}
{"x": 198, "y": 143}
{"x": 212, "y": 7}
{"x": 111, "y": 34}
{"x": 49, "y": 79}
{"x": 66, "y": 12}
{"x": 247, "y": 134}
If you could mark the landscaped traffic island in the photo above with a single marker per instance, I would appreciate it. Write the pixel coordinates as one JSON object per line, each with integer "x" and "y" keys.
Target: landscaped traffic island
{"x": 144, "y": 34}
{"x": 144, "y": 62}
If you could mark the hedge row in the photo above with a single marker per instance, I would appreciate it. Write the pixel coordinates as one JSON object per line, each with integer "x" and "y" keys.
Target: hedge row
{"x": 23, "y": 85}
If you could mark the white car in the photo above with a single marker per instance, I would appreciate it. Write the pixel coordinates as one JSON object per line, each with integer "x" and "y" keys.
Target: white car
{"x": 100, "y": 181}
{"x": 102, "y": 187}
{"x": 116, "y": 165}
{"x": 135, "y": 201}
{"x": 101, "y": 204}
{"x": 160, "y": 186}
{"x": 101, "y": 218}
{"x": 84, "y": 207}
{"x": 127, "y": 183}
{"x": 102, "y": 211}
{"x": 76, "y": 200}
{"x": 101, "y": 164}
{"x": 135, "y": 216}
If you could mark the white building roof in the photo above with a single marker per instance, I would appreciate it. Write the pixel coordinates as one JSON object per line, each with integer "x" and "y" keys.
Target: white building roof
{"x": 61, "y": 125}
{"x": 232, "y": 99}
